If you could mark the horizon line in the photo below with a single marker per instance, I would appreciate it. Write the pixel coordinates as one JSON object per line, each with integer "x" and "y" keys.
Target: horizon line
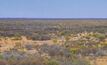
{"x": 54, "y": 18}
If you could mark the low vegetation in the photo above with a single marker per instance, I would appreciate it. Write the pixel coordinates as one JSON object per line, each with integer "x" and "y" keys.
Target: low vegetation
{"x": 64, "y": 42}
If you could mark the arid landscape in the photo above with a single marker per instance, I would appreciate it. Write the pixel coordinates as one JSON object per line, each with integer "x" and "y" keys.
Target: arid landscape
{"x": 53, "y": 41}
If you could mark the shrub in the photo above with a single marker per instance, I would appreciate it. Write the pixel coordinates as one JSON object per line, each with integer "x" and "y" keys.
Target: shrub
{"x": 80, "y": 62}
{"x": 51, "y": 62}
{"x": 1, "y": 57}
{"x": 99, "y": 35}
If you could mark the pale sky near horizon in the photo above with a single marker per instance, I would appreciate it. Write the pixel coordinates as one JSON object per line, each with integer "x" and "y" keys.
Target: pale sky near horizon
{"x": 53, "y": 8}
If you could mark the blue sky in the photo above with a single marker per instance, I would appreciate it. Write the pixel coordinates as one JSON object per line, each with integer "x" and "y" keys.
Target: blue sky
{"x": 53, "y": 8}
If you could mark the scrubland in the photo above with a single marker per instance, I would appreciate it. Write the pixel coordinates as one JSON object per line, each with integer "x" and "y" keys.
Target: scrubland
{"x": 52, "y": 42}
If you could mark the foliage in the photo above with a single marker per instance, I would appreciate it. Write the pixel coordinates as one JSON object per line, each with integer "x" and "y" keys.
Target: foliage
{"x": 80, "y": 62}
{"x": 99, "y": 35}
{"x": 1, "y": 56}
{"x": 51, "y": 62}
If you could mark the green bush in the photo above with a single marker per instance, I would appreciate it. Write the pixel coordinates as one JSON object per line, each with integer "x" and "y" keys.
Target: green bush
{"x": 99, "y": 35}
{"x": 51, "y": 62}
{"x": 1, "y": 56}
{"x": 80, "y": 62}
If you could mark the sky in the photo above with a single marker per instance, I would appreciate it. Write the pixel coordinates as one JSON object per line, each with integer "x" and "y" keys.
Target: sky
{"x": 53, "y": 8}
